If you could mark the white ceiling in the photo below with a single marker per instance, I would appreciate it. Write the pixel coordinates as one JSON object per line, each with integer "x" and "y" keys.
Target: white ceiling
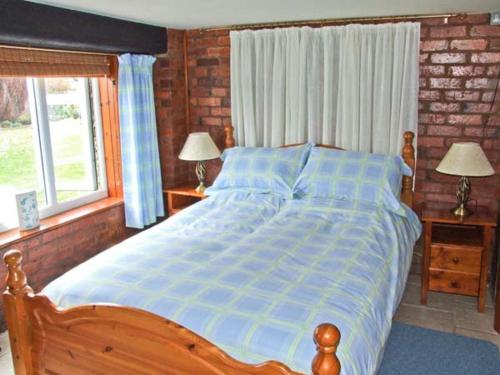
{"x": 203, "y": 13}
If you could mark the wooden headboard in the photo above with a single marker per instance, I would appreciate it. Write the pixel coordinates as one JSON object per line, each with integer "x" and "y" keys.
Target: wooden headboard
{"x": 408, "y": 154}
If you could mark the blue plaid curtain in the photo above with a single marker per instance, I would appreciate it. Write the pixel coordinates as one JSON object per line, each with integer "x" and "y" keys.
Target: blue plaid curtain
{"x": 142, "y": 188}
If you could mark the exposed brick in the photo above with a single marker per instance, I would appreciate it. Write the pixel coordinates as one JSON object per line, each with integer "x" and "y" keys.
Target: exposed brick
{"x": 218, "y": 51}
{"x": 448, "y": 58}
{"x": 445, "y": 83}
{"x": 488, "y": 96}
{"x": 444, "y": 107}
{"x": 431, "y": 141}
{"x": 219, "y": 91}
{"x": 466, "y": 70}
{"x": 485, "y": 31}
{"x": 223, "y": 41}
{"x": 444, "y": 130}
{"x": 486, "y": 57}
{"x": 434, "y": 45}
{"x": 429, "y": 95}
{"x": 480, "y": 83}
{"x": 493, "y": 71}
{"x": 215, "y": 121}
{"x": 495, "y": 44}
{"x": 428, "y": 118}
{"x": 477, "y": 107}
{"x": 473, "y": 131}
{"x": 465, "y": 119}
{"x": 432, "y": 70}
{"x": 462, "y": 95}
{"x": 210, "y": 102}
{"x": 448, "y": 31}
{"x": 469, "y": 44}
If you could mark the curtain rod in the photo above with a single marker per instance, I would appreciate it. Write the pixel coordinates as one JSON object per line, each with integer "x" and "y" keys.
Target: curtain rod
{"x": 60, "y": 50}
{"x": 329, "y": 21}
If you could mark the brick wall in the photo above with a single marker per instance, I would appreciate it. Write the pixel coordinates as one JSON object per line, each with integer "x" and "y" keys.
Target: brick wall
{"x": 51, "y": 253}
{"x": 170, "y": 101}
{"x": 459, "y": 63}
{"x": 459, "y": 68}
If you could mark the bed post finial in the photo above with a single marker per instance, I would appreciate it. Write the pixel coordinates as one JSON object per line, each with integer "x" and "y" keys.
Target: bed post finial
{"x": 15, "y": 312}
{"x": 408, "y": 154}
{"x": 326, "y": 337}
{"x": 17, "y": 282}
{"x": 229, "y": 141}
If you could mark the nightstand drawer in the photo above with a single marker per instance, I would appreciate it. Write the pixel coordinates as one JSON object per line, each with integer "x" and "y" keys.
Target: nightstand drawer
{"x": 454, "y": 282}
{"x": 455, "y": 258}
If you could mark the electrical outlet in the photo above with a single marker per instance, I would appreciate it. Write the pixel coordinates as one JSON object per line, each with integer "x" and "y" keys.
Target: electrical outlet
{"x": 495, "y": 18}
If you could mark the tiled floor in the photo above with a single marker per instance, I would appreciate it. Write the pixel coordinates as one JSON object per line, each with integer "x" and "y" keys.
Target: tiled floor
{"x": 447, "y": 312}
{"x": 444, "y": 312}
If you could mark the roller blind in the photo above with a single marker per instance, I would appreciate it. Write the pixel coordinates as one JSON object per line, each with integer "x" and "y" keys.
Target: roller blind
{"x": 15, "y": 62}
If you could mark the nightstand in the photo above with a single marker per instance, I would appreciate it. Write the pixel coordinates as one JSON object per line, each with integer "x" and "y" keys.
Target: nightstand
{"x": 456, "y": 252}
{"x": 181, "y": 197}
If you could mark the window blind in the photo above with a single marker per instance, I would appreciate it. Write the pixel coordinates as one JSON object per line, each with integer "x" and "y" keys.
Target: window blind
{"x": 15, "y": 62}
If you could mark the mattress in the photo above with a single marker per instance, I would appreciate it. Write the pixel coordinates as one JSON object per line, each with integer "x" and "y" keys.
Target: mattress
{"x": 255, "y": 274}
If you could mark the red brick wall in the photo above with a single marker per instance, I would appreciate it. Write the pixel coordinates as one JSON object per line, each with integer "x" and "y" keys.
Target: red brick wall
{"x": 459, "y": 67}
{"x": 460, "y": 63}
{"x": 51, "y": 253}
{"x": 170, "y": 101}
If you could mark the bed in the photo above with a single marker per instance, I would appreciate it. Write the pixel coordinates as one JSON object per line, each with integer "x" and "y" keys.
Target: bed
{"x": 245, "y": 279}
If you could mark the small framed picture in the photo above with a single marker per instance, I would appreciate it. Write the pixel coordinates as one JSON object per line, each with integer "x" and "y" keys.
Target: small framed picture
{"x": 27, "y": 210}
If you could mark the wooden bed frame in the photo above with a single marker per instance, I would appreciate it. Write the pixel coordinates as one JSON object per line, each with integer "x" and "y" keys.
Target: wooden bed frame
{"x": 108, "y": 339}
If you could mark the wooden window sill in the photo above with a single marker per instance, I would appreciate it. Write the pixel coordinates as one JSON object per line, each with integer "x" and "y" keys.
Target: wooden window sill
{"x": 12, "y": 236}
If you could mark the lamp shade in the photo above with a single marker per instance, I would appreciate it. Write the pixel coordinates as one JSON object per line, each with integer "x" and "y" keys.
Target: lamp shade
{"x": 465, "y": 159}
{"x": 199, "y": 147}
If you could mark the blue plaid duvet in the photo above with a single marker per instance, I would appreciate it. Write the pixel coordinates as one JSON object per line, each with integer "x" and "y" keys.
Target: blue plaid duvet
{"x": 255, "y": 274}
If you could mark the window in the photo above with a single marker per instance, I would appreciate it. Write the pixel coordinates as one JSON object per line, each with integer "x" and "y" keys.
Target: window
{"x": 50, "y": 141}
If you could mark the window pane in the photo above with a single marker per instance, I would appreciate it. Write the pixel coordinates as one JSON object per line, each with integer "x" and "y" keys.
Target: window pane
{"x": 72, "y": 141}
{"x": 20, "y": 166}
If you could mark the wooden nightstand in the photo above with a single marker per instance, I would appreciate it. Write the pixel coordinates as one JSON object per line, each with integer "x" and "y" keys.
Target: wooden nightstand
{"x": 456, "y": 252}
{"x": 181, "y": 197}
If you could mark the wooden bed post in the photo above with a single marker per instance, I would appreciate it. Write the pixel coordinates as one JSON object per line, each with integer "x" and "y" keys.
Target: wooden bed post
{"x": 326, "y": 337}
{"x": 408, "y": 154}
{"x": 15, "y": 312}
{"x": 229, "y": 140}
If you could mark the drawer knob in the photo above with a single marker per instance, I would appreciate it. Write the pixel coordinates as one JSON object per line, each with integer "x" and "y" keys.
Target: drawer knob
{"x": 455, "y": 260}
{"x": 454, "y": 284}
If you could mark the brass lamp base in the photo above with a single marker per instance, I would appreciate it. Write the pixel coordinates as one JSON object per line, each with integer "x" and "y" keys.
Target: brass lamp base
{"x": 200, "y": 173}
{"x": 201, "y": 188}
{"x": 463, "y": 194}
{"x": 461, "y": 210}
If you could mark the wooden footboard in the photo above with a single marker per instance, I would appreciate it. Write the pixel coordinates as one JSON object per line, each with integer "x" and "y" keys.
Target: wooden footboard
{"x": 105, "y": 339}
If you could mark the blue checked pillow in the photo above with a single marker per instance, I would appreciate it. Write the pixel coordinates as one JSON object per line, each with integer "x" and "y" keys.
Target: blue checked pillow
{"x": 260, "y": 169}
{"x": 353, "y": 176}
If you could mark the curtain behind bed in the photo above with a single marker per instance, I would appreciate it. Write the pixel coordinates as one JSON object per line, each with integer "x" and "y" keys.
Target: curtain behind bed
{"x": 353, "y": 86}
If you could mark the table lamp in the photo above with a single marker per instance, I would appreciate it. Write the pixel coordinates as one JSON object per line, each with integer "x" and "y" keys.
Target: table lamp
{"x": 465, "y": 159}
{"x": 199, "y": 147}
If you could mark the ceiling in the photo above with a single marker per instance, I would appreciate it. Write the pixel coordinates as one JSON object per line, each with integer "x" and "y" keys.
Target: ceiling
{"x": 204, "y": 13}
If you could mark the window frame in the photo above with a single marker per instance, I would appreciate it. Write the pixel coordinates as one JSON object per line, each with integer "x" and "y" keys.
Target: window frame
{"x": 43, "y": 148}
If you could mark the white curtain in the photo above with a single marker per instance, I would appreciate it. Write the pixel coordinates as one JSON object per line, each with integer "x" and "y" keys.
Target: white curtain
{"x": 353, "y": 86}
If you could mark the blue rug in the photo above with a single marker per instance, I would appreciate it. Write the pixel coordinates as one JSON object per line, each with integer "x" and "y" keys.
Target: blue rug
{"x": 418, "y": 351}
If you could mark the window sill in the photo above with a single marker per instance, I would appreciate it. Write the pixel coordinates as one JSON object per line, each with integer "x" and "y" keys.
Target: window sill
{"x": 12, "y": 236}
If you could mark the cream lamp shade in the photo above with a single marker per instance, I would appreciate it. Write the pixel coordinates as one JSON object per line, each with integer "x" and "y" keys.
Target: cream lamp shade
{"x": 199, "y": 147}
{"x": 465, "y": 159}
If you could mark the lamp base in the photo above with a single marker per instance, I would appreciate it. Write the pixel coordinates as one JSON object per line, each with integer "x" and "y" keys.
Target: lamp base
{"x": 463, "y": 194}
{"x": 201, "y": 188}
{"x": 461, "y": 210}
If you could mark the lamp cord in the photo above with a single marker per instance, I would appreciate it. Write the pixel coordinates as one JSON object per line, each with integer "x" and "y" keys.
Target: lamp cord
{"x": 490, "y": 112}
